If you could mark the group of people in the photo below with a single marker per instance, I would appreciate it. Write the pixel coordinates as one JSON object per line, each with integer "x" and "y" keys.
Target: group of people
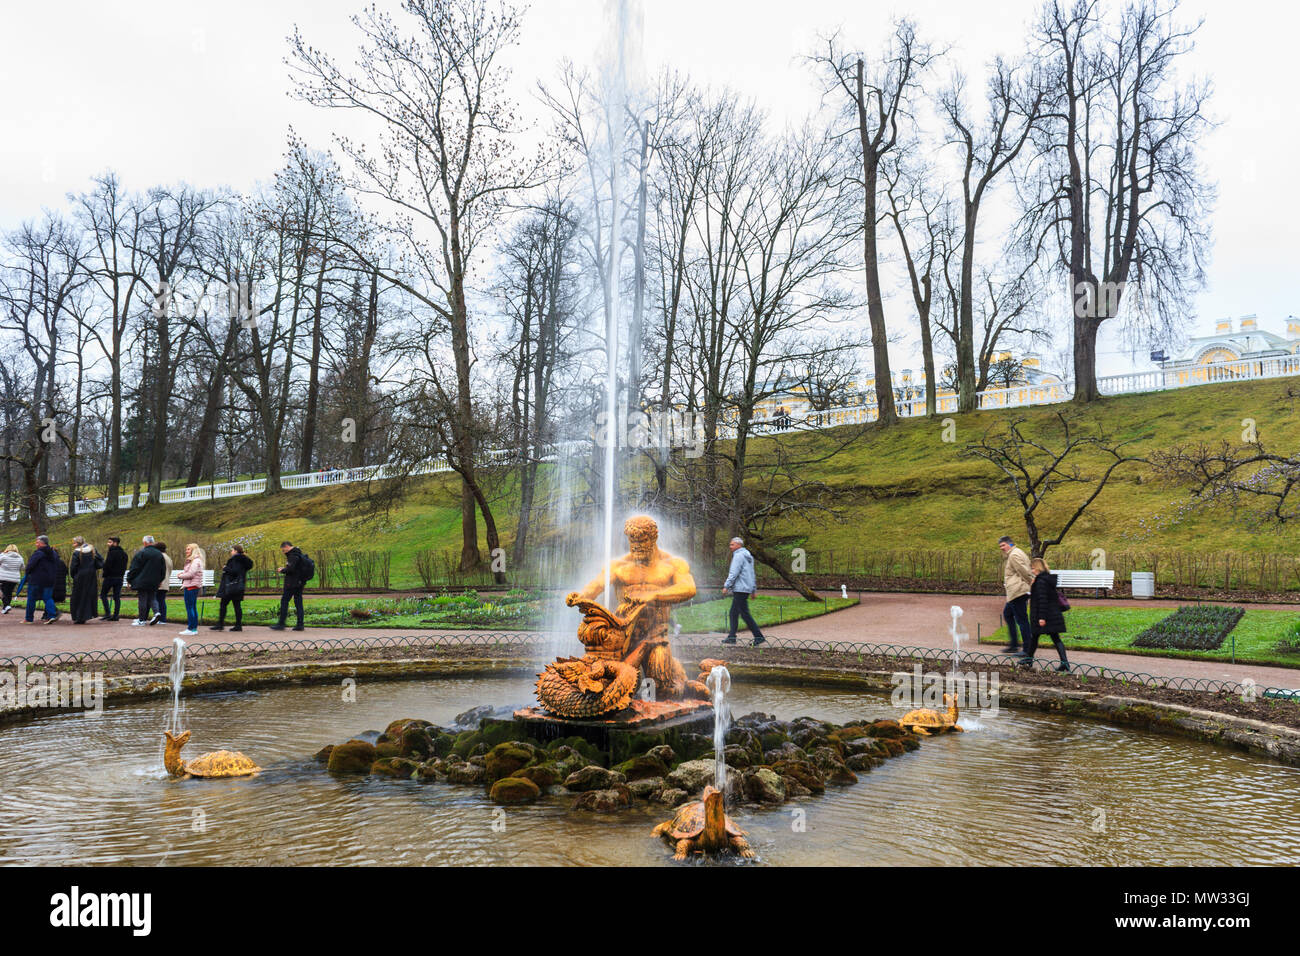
{"x": 1034, "y": 606}
{"x": 149, "y": 572}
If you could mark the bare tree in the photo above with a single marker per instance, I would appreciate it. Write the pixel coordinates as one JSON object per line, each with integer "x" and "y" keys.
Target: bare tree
{"x": 1040, "y": 466}
{"x": 877, "y": 105}
{"x": 445, "y": 168}
{"x": 1115, "y": 194}
{"x": 986, "y": 150}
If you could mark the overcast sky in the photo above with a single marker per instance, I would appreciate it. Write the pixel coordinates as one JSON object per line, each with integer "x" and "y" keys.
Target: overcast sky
{"x": 169, "y": 91}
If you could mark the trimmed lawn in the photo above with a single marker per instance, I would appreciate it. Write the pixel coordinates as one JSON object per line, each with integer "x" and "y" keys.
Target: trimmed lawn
{"x": 709, "y": 617}
{"x": 1257, "y": 635}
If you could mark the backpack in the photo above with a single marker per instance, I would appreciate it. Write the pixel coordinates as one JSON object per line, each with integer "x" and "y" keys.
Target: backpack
{"x": 307, "y": 569}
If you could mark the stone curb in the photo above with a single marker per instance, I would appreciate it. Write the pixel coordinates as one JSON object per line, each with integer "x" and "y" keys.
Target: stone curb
{"x": 1259, "y": 737}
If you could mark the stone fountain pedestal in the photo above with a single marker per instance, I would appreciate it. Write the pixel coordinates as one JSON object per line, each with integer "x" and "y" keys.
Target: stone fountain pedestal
{"x": 625, "y": 733}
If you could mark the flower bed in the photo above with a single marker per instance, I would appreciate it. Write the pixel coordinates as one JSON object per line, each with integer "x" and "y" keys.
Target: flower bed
{"x": 1192, "y": 628}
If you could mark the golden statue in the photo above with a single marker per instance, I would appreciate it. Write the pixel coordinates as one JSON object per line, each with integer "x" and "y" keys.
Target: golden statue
{"x": 620, "y": 644}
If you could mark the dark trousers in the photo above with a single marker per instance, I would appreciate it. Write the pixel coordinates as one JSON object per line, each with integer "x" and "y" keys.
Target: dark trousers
{"x": 147, "y": 602}
{"x": 740, "y": 609}
{"x": 160, "y": 602}
{"x": 1016, "y": 613}
{"x": 1031, "y": 645}
{"x": 7, "y": 589}
{"x": 296, "y": 595}
{"x": 238, "y": 601}
{"x": 114, "y": 587}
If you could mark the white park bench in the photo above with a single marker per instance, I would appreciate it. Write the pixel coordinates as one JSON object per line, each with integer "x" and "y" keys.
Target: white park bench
{"x": 1097, "y": 580}
{"x": 209, "y": 576}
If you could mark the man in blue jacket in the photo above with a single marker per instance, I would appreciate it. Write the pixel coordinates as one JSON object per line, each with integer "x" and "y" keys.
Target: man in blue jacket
{"x": 741, "y": 582}
{"x": 42, "y": 575}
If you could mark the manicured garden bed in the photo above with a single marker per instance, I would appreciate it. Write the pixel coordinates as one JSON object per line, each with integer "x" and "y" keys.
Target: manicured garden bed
{"x": 1257, "y": 639}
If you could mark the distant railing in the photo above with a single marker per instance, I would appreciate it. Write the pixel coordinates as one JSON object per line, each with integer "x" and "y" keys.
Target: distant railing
{"x": 912, "y": 406}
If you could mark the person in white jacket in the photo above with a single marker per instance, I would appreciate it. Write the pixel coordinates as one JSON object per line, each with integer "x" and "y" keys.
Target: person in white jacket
{"x": 11, "y": 572}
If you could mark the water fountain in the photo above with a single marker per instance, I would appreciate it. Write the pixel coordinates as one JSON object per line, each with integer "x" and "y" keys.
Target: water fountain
{"x": 719, "y": 682}
{"x": 177, "y": 675}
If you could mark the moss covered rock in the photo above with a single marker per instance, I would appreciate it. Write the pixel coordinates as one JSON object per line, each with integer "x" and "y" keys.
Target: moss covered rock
{"x": 464, "y": 772}
{"x": 543, "y": 774}
{"x": 802, "y": 771}
{"x": 323, "y": 755}
{"x": 593, "y": 778}
{"x": 647, "y": 788}
{"x": 505, "y": 758}
{"x": 886, "y": 728}
{"x": 355, "y": 756}
{"x": 394, "y": 767}
{"x": 513, "y": 790}
{"x": 640, "y": 768}
{"x": 605, "y": 801}
{"x": 764, "y": 786}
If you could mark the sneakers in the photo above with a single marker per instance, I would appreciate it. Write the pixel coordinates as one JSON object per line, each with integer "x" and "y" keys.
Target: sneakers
{"x": 6, "y": 609}
{"x": 1011, "y": 649}
{"x": 51, "y": 620}
{"x": 760, "y": 640}
{"x": 138, "y": 623}
{"x": 217, "y": 627}
{"x": 187, "y": 633}
{"x": 155, "y": 619}
{"x": 1064, "y": 667}
{"x": 299, "y": 628}
{"x": 277, "y": 627}
{"x": 236, "y": 628}
{"x": 729, "y": 640}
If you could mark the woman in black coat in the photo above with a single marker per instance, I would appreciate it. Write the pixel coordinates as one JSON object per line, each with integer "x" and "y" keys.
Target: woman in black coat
{"x": 1045, "y": 613}
{"x": 85, "y": 566}
{"x": 234, "y": 579}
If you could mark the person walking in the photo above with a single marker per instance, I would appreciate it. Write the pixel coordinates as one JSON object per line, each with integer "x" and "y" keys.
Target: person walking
{"x": 42, "y": 569}
{"x": 295, "y": 577}
{"x": 85, "y": 581}
{"x": 145, "y": 574}
{"x": 742, "y": 582}
{"x": 60, "y": 578}
{"x": 166, "y": 582}
{"x": 1016, "y": 576}
{"x": 234, "y": 581}
{"x": 115, "y": 562}
{"x": 1047, "y": 612}
{"x": 191, "y": 583}
{"x": 11, "y": 573}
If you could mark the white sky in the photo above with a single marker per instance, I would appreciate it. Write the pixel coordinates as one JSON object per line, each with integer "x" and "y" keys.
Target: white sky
{"x": 167, "y": 91}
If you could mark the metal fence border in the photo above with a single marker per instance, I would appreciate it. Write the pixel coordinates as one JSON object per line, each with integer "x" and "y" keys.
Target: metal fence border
{"x": 541, "y": 639}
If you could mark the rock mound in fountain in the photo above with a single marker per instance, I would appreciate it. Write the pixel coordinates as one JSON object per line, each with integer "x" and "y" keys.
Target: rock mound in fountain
{"x": 768, "y": 761}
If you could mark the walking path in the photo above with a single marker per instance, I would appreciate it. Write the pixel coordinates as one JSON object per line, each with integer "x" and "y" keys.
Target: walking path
{"x": 921, "y": 620}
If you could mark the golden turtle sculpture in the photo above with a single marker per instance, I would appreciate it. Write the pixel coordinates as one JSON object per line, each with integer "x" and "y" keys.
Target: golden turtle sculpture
{"x": 219, "y": 763}
{"x": 927, "y": 722}
{"x": 702, "y": 826}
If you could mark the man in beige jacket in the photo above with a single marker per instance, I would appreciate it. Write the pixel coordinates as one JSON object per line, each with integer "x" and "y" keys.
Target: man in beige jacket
{"x": 1016, "y": 577}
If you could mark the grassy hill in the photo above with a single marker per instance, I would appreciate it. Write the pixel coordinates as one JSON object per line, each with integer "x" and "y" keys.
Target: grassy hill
{"x": 900, "y": 490}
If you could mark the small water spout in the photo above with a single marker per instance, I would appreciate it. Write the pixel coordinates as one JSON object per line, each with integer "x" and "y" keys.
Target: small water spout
{"x": 647, "y": 690}
{"x": 956, "y": 639}
{"x": 719, "y": 682}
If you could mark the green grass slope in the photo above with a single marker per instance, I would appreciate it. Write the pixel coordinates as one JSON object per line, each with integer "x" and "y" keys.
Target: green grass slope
{"x": 901, "y": 489}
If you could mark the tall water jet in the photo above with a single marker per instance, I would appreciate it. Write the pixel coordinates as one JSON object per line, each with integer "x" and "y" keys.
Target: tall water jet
{"x": 177, "y": 674}
{"x": 719, "y": 682}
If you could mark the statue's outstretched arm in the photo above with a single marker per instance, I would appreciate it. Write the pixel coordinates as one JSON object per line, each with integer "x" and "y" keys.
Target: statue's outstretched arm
{"x": 683, "y": 586}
